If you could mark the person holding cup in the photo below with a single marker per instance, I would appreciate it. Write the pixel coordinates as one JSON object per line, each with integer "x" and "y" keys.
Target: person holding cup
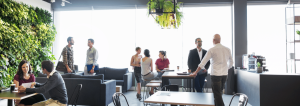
{"x": 24, "y": 75}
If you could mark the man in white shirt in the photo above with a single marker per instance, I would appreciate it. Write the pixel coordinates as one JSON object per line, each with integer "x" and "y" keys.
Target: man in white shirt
{"x": 220, "y": 56}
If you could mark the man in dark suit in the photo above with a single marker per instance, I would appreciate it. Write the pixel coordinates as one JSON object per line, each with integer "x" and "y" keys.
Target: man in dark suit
{"x": 195, "y": 57}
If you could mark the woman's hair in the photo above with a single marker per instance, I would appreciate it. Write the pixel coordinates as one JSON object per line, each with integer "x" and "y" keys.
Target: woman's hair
{"x": 137, "y": 48}
{"x": 20, "y": 71}
{"x": 147, "y": 53}
{"x": 164, "y": 53}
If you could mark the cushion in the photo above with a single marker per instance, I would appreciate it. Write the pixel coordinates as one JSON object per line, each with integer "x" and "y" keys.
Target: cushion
{"x": 100, "y": 71}
{"x": 118, "y": 82}
{"x": 66, "y": 75}
{"x": 41, "y": 75}
{"x": 100, "y": 76}
{"x": 113, "y": 73}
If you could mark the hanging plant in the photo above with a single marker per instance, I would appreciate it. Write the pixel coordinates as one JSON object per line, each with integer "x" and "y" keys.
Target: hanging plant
{"x": 166, "y": 15}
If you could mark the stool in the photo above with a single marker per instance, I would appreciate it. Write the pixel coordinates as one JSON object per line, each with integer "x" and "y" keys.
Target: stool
{"x": 155, "y": 81}
{"x": 149, "y": 85}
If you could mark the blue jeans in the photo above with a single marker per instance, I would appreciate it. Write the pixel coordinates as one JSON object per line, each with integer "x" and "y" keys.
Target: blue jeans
{"x": 159, "y": 77}
{"x": 199, "y": 82}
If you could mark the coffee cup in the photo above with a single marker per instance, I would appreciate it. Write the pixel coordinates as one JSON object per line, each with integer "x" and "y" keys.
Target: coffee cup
{"x": 12, "y": 87}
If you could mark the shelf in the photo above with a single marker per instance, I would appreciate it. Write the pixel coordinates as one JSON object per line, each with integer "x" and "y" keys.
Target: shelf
{"x": 296, "y": 41}
{"x": 294, "y": 59}
{"x": 294, "y": 21}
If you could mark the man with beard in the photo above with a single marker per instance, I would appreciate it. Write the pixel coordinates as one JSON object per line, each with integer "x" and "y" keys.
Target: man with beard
{"x": 68, "y": 58}
{"x": 195, "y": 57}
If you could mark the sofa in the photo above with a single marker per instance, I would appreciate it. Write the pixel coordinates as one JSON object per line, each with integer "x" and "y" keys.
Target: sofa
{"x": 121, "y": 76}
{"x": 95, "y": 91}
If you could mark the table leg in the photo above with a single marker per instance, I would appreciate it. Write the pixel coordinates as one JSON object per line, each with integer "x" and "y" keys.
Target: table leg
{"x": 193, "y": 85}
{"x": 188, "y": 85}
{"x": 10, "y": 102}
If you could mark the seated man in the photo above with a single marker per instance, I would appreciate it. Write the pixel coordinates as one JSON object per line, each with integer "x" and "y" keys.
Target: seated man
{"x": 55, "y": 85}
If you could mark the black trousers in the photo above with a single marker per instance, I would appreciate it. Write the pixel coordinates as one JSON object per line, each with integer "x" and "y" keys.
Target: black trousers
{"x": 218, "y": 83}
{"x": 32, "y": 100}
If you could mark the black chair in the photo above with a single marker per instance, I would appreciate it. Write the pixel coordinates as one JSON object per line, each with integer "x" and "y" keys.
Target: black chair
{"x": 116, "y": 99}
{"x": 173, "y": 88}
{"x": 75, "y": 95}
{"x": 243, "y": 100}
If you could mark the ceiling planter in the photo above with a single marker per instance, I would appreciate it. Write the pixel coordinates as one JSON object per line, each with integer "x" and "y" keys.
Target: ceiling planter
{"x": 165, "y": 12}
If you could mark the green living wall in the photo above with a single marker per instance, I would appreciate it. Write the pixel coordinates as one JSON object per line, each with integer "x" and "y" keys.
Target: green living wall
{"x": 26, "y": 33}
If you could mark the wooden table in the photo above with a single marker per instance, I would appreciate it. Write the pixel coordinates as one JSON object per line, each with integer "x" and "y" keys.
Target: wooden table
{"x": 182, "y": 98}
{"x": 173, "y": 75}
{"x": 14, "y": 95}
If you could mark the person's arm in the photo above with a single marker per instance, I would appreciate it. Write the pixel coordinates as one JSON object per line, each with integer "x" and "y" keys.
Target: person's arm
{"x": 16, "y": 80}
{"x": 158, "y": 70}
{"x": 207, "y": 64}
{"x": 204, "y": 61}
{"x": 230, "y": 60}
{"x": 33, "y": 81}
{"x": 95, "y": 59}
{"x": 17, "y": 83}
{"x": 151, "y": 66}
{"x": 51, "y": 83}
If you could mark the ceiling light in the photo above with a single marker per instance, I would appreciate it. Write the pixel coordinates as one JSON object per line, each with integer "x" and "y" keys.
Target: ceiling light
{"x": 52, "y": 1}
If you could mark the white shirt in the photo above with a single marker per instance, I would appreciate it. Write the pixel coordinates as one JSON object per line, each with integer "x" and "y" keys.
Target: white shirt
{"x": 200, "y": 54}
{"x": 220, "y": 56}
{"x": 91, "y": 56}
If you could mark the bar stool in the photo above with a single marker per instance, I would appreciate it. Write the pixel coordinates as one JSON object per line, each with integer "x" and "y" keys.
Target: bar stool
{"x": 156, "y": 81}
{"x": 149, "y": 85}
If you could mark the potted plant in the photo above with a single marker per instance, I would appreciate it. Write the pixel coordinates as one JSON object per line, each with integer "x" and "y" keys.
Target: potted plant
{"x": 298, "y": 32}
{"x": 259, "y": 68}
{"x": 165, "y": 15}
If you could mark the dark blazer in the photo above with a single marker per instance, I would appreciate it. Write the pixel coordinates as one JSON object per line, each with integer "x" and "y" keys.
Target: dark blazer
{"x": 194, "y": 60}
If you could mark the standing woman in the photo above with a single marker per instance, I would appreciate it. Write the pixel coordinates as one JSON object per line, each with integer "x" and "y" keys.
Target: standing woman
{"x": 161, "y": 63}
{"x": 24, "y": 75}
{"x": 135, "y": 63}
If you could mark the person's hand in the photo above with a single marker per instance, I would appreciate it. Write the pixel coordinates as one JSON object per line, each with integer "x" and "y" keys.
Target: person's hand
{"x": 69, "y": 70}
{"x": 21, "y": 89}
{"x": 193, "y": 74}
{"x": 32, "y": 85}
{"x": 92, "y": 71}
{"x": 204, "y": 70}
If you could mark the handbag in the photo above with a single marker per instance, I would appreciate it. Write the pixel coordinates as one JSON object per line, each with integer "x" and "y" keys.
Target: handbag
{"x": 61, "y": 66}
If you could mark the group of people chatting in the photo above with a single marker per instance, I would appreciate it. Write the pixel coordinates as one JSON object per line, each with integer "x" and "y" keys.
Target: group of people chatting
{"x": 198, "y": 64}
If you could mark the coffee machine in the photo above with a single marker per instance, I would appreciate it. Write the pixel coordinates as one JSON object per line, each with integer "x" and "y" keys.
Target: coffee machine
{"x": 250, "y": 62}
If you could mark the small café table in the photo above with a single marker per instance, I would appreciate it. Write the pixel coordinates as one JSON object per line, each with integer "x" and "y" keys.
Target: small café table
{"x": 14, "y": 95}
{"x": 182, "y": 98}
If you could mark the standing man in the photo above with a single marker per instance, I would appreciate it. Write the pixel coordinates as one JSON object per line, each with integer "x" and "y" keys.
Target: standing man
{"x": 67, "y": 53}
{"x": 220, "y": 56}
{"x": 54, "y": 85}
{"x": 195, "y": 57}
{"x": 91, "y": 58}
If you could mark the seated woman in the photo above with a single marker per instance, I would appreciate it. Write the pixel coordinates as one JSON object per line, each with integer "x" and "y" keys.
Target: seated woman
{"x": 147, "y": 68}
{"x": 24, "y": 75}
{"x": 161, "y": 63}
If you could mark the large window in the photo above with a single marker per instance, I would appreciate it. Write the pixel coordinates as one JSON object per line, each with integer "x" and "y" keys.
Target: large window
{"x": 118, "y": 32}
{"x": 266, "y": 35}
